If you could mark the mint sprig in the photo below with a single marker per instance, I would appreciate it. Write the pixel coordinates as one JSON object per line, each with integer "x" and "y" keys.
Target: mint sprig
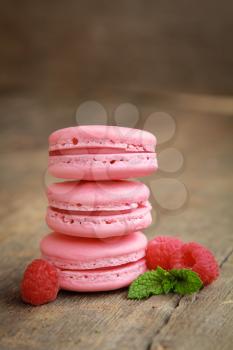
{"x": 160, "y": 281}
{"x": 185, "y": 281}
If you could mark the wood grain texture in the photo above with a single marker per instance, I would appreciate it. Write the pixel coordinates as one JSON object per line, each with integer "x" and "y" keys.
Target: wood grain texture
{"x": 108, "y": 320}
{"x": 202, "y": 321}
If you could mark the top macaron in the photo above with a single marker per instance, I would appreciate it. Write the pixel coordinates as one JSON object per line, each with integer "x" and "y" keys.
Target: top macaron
{"x": 100, "y": 152}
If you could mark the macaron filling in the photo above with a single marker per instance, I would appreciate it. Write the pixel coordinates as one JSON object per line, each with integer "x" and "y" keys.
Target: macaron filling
{"x": 94, "y": 264}
{"x": 97, "y": 212}
{"x": 103, "y": 144}
{"x": 105, "y": 208}
{"x": 83, "y": 273}
{"x": 101, "y": 150}
{"x": 97, "y": 217}
{"x": 101, "y": 279}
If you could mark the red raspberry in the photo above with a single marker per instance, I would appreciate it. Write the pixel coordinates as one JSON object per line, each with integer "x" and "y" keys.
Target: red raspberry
{"x": 197, "y": 258}
{"x": 159, "y": 251}
{"x": 40, "y": 283}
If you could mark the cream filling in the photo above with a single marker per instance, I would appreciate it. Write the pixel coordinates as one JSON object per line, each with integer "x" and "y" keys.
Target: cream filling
{"x": 78, "y": 207}
{"x": 89, "y": 145}
{"x": 94, "y": 264}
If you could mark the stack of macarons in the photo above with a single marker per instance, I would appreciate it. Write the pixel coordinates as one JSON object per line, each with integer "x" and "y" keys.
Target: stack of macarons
{"x": 97, "y": 216}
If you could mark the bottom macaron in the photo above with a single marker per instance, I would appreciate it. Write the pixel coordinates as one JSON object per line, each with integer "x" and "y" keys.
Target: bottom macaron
{"x": 90, "y": 264}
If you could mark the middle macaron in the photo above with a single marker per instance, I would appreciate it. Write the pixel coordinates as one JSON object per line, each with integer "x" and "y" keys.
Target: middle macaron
{"x": 98, "y": 209}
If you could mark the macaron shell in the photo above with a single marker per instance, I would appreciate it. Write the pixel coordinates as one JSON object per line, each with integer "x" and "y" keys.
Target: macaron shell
{"x": 92, "y": 253}
{"x": 101, "y": 279}
{"x": 95, "y": 167}
{"x": 102, "y": 195}
{"x": 99, "y": 226}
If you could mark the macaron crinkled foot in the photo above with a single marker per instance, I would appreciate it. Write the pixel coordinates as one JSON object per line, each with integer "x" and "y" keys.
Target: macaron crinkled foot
{"x": 99, "y": 152}
{"x": 98, "y": 209}
{"x": 87, "y": 265}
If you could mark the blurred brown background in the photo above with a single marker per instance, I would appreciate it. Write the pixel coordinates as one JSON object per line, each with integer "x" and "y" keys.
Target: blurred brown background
{"x": 162, "y": 56}
{"x": 88, "y": 47}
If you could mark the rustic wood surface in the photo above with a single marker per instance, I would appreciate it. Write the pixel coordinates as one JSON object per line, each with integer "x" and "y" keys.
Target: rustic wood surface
{"x": 109, "y": 320}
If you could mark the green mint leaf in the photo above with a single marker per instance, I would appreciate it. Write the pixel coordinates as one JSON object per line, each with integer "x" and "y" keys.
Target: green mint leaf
{"x": 167, "y": 286}
{"x": 145, "y": 286}
{"x": 185, "y": 281}
{"x": 160, "y": 281}
{"x": 162, "y": 273}
{"x": 166, "y": 279}
{"x": 150, "y": 283}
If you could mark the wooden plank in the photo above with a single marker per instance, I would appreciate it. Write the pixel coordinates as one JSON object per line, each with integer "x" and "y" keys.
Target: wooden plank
{"x": 202, "y": 321}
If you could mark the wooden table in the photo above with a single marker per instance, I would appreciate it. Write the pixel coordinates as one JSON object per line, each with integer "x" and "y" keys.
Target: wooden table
{"x": 109, "y": 320}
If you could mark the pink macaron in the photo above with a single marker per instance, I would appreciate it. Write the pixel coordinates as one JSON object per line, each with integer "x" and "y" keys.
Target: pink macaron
{"x": 95, "y": 265}
{"x": 99, "y": 152}
{"x": 98, "y": 209}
